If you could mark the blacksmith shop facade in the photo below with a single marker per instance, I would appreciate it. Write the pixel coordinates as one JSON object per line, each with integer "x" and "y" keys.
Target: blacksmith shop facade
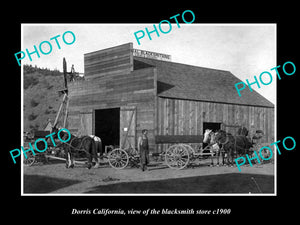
{"x": 127, "y": 90}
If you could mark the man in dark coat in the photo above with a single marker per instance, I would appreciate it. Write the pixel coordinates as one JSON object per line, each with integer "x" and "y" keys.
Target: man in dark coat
{"x": 143, "y": 148}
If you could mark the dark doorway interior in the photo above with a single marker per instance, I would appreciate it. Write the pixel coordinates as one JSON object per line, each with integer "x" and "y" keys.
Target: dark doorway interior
{"x": 212, "y": 126}
{"x": 107, "y": 126}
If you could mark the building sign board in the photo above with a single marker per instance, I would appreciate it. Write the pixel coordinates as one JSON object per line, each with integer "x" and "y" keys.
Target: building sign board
{"x": 152, "y": 55}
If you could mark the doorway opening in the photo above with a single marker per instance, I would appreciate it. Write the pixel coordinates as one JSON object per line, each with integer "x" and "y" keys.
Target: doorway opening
{"x": 107, "y": 126}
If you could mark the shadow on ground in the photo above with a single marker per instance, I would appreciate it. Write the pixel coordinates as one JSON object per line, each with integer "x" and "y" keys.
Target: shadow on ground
{"x": 44, "y": 184}
{"x": 221, "y": 183}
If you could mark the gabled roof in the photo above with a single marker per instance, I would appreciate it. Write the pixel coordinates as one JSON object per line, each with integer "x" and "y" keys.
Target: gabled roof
{"x": 181, "y": 81}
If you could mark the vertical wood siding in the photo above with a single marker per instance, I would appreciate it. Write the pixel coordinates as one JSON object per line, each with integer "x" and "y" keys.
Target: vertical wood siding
{"x": 111, "y": 82}
{"x": 183, "y": 117}
{"x": 136, "y": 89}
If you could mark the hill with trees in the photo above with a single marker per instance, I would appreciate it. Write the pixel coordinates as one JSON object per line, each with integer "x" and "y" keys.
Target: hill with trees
{"x": 40, "y": 96}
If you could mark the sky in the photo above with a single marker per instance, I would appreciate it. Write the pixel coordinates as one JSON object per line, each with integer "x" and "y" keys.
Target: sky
{"x": 246, "y": 50}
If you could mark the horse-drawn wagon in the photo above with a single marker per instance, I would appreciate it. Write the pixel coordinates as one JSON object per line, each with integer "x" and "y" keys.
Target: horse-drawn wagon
{"x": 182, "y": 150}
{"x": 178, "y": 155}
{"x": 185, "y": 149}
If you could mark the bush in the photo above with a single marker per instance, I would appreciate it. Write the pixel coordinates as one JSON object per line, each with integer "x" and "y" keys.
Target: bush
{"x": 47, "y": 111}
{"x": 30, "y": 81}
{"x": 32, "y": 116}
{"x": 34, "y": 127}
{"x": 33, "y": 103}
{"x": 49, "y": 87}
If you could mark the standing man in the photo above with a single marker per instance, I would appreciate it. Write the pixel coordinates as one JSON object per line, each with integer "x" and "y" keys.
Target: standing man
{"x": 143, "y": 148}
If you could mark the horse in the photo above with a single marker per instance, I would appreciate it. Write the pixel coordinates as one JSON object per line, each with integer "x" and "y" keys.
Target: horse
{"x": 232, "y": 145}
{"x": 75, "y": 144}
{"x": 209, "y": 137}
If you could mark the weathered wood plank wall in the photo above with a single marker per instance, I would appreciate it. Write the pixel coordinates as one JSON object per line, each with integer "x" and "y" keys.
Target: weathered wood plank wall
{"x": 111, "y": 82}
{"x": 136, "y": 89}
{"x": 184, "y": 117}
{"x": 115, "y": 60}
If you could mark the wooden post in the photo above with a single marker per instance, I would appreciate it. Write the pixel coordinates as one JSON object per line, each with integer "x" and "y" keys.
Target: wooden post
{"x": 59, "y": 110}
{"x": 66, "y": 112}
{"x": 65, "y": 73}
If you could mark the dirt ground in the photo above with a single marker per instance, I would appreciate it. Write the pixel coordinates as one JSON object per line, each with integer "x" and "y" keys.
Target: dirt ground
{"x": 54, "y": 178}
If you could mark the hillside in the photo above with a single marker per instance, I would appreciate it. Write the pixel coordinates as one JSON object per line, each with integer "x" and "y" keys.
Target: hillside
{"x": 41, "y": 99}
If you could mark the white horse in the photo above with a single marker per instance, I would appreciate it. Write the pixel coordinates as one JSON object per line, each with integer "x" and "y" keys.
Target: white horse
{"x": 209, "y": 137}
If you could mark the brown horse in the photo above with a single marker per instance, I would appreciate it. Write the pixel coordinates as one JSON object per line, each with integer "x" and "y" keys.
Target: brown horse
{"x": 75, "y": 144}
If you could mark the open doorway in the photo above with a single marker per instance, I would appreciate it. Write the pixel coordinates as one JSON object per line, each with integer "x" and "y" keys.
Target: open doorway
{"x": 212, "y": 126}
{"x": 107, "y": 126}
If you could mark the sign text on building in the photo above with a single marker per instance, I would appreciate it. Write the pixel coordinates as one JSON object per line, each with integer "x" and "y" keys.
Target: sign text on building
{"x": 152, "y": 55}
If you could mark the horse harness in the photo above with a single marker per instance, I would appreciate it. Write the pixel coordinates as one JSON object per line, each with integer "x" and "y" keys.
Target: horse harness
{"x": 226, "y": 142}
{"x": 81, "y": 143}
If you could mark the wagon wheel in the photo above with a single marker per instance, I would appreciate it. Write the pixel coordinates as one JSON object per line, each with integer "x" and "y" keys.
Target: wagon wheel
{"x": 177, "y": 156}
{"x": 29, "y": 161}
{"x": 189, "y": 148}
{"x": 118, "y": 158}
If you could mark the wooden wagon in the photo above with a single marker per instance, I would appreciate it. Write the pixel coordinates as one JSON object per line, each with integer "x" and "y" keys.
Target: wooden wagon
{"x": 182, "y": 151}
{"x": 178, "y": 155}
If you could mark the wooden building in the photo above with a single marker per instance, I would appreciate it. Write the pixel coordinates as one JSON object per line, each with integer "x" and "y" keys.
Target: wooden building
{"x": 125, "y": 91}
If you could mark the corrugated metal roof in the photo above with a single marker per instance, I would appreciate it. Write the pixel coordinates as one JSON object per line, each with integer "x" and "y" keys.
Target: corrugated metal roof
{"x": 181, "y": 81}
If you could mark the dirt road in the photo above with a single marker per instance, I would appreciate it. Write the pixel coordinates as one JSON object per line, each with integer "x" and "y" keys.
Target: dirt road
{"x": 54, "y": 178}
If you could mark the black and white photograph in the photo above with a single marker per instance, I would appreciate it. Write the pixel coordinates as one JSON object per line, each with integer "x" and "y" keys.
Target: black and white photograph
{"x": 114, "y": 113}
{"x": 143, "y": 117}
